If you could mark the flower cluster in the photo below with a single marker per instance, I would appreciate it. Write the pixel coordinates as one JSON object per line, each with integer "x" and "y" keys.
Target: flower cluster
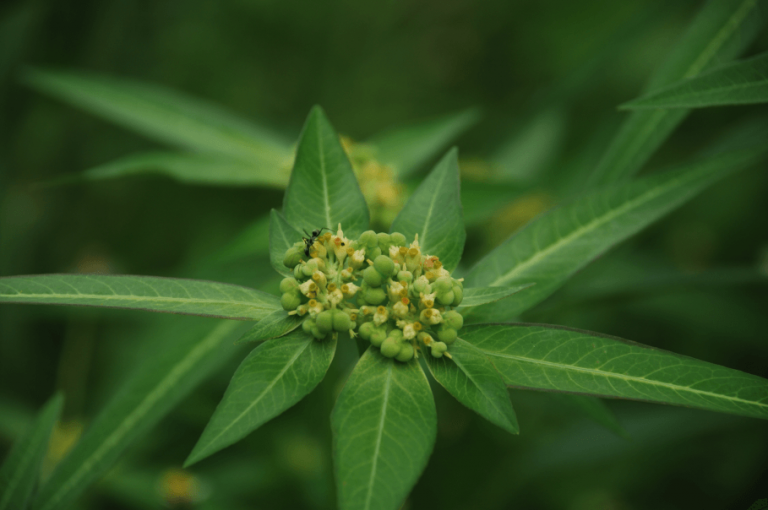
{"x": 390, "y": 294}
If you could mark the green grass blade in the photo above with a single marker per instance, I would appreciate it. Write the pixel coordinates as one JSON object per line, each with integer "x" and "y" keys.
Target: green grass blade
{"x": 743, "y": 82}
{"x": 274, "y": 325}
{"x": 408, "y": 148}
{"x": 323, "y": 190}
{"x": 720, "y": 32}
{"x": 185, "y": 358}
{"x": 148, "y": 293}
{"x": 473, "y": 380}
{"x": 275, "y": 376}
{"x": 562, "y": 359}
{"x": 557, "y": 244}
{"x": 476, "y": 296}
{"x": 164, "y": 115}
{"x": 384, "y": 427}
{"x": 21, "y": 469}
{"x": 282, "y": 235}
{"x": 434, "y": 212}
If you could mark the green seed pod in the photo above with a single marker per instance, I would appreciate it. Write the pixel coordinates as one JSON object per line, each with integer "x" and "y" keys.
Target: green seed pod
{"x": 446, "y": 334}
{"x": 453, "y": 319}
{"x": 307, "y": 326}
{"x": 288, "y": 284}
{"x": 405, "y": 276}
{"x": 375, "y": 296}
{"x": 341, "y": 321}
{"x": 297, "y": 272}
{"x": 292, "y": 257}
{"x": 405, "y": 354}
{"x": 443, "y": 284}
{"x": 377, "y": 337}
{"x": 366, "y": 330}
{"x": 290, "y": 300}
{"x": 324, "y": 321}
{"x": 373, "y": 253}
{"x": 458, "y": 295}
{"x": 369, "y": 239}
{"x": 397, "y": 334}
{"x": 445, "y": 298}
{"x": 384, "y": 265}
{"x": 317, "y": 333}
{"x": 422, "y": 285}
{"x": 372, "y": 277}
{"x": 397, "y": 239}
{"x": 438, "y": 348}
{"x": 384, "y": 241}
{"x": 390, "y": 348}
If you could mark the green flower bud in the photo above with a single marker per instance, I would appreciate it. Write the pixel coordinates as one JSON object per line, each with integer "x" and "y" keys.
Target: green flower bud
{"x": 341, "y": 321}
{"x": 405, "y": 354}
{"x": 397, "y": 239}
{"x": 453, "y": 319}
{"x": 372, "y": 254}
{"x": 396, "y": 334}
{"x": 445, "y": 298}
{"x": 374, "y": 296}
{"x": 390, "y": 348}
{"x": 292, "y": 257}
{"x": 317, "y": 333}
{"x": 384, "y": 241}
{"x": 384, "y": 265}
{"x": 446, "y": 334}
{"x": 297, "y": 272}
{"x": 458, "y": 295}
{"x": 422, "y": 285}
{"x": 378, "y": 336}
{"x": 288, "y": 284}
{"x": 438, "y": 348}
{"x": 443, "y": 284}
{"x": 372, "y": 278}
{"x": 324, "y": 321}
{"x": 307, "y": 326}
{"x": 369, "y": 239}
{"x": 290, "y": 300}
{"x": 405, "y": 276}
{"x": 366, "y": 330}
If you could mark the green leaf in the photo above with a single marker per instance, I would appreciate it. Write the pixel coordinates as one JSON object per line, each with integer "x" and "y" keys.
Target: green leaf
{"x": 744, "y": 82}
{"x": 594, "y": 409}
{"x": 562, "y": 359}
{"x": 148, "y": 293}
{"x": 253, "y": 240}
{"x": 323, "y": 190}
{"x": 384, "y": 426}
{"x": 165, "y": 115}
{"x": 274, "y": 325}
{"x": 721, "y": 31}
{"x": 481, "y": 200}
{"x": 476, "y": 296}
{"x": 189, "y": 168}
{"x": 408, "y": 148}
{"x": 21, "y": 470}
{"x": 186, "y": 356}
{"x": 473, "y": 380}
{"x": 557, "y": 244}
{"x": 275, "y": 376}
{"x": 434, "y": 212}
{"x": 282, "y": 235}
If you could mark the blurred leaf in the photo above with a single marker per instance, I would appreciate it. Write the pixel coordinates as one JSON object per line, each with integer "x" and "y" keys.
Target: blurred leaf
{"x": 148, "y": 293}
{"x": 743, "y": 82}
{"x": 594, "y": 409}
{"x": 720, "y": 32}
{"x": 384, "y": 425}
{"x": 476, "y": 296}
{"x": 557, "y": 244}
{"x": 274, "y": 325}
{"x": 253, "y": 240}
{"x": 165, "y": 115}
{"x": 21, "y": 470}
{"x": 562, "y": 359}
{"x": 473, "y": 380}
{"x": 323, "y": 190}
{"x": 282, "y": 235}
{"x": 181, "y": 363}
{"x": 481, "y": 200}
{"x": 408, "y": 148}
{"x": 275, "y": 376}
{"x": 434, "y": 212}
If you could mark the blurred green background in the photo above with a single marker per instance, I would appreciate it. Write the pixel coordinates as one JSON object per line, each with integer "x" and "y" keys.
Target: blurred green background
{"x": 543, "y": 74}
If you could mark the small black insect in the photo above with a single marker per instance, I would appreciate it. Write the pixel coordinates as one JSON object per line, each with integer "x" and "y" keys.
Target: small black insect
{"x": 312, "y": 237}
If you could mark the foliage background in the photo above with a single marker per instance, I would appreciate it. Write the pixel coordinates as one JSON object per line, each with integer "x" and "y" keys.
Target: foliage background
{"x": 372, "y": 66}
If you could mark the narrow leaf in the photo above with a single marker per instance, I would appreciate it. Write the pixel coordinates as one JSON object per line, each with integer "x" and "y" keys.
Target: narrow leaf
{"x": 282, "y": 235}
{"x": 165, "y": 115}
{"x": 274, "y": 325}
{"x": 408, "y": 148}
{"x": 557, "y": 244}
{"x": 384, "y": 426}
{"x": 21, "y": 470}
{"x": 562, "y": 359}
{"x": 148, "y": 293}
{"x": 720, "y": 32}
{"x": 744, "y": 82}
{"x": 274, "y": 376}
{"x": 473, "y": 380}
{"x": 434, "y": 212}
{"x": 184, "y": 359}
{"x": 476, "y": 296}
{"x": 323, "y": 189}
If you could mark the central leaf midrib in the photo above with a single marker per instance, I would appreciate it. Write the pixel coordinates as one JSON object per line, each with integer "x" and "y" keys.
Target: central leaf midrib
{"x": 384, "y": 402}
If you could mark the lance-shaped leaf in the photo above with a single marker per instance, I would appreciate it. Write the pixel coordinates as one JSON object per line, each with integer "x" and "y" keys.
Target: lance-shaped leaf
{"x": 744, "y": 82}
{"x": 21, "y": 469}
{"x": 384, "y": 426}
{"x": 165, "y": 115}
{"x": 275, "y": 375}
{"x": 473, "y": 380}
{"x": 554, "y": 246}
{"x": 323, "y": 189}
{"x": 476, "y": 296}
{"x": 562, "y": 359}
{"x": 408, "y": 148}
{"x": 148, "y": 293}
{"x": 434, "y": 212}
{"x": 186, "y": 355}
{"x": 720, "y": 32}
{"x": 282, "y": 235}
{"x": 274, "y": 325}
